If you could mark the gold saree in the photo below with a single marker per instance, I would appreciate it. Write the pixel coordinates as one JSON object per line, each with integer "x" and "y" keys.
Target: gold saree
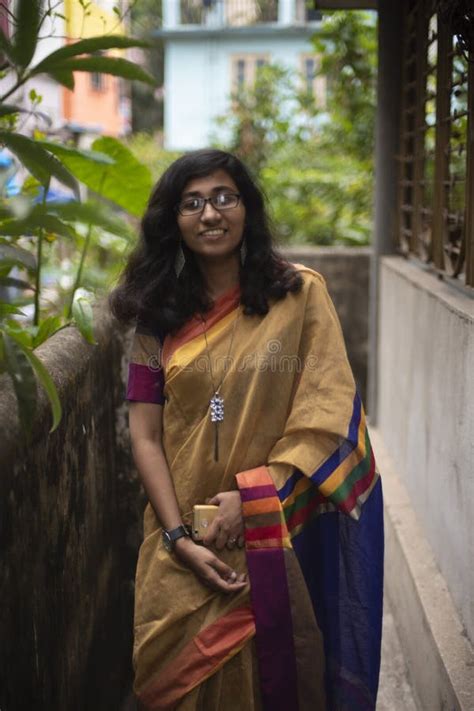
{"x": 289, "y": 409}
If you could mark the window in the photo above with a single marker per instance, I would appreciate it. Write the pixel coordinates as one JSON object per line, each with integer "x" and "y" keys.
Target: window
{"x": 240, "y": 73}
{"x": 309, "y": 72}
{"x": 435, "y": 207}
{"x": 97, "y": 79}
{"x": 313, "y": 82}
{"x": 244, "y": 68}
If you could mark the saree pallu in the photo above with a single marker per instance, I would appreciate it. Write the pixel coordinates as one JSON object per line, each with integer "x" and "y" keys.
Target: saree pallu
{"x": 294, "y": 442}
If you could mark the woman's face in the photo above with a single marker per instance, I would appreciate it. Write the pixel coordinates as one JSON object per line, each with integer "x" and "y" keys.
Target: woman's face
{"x": 212, "y": 233}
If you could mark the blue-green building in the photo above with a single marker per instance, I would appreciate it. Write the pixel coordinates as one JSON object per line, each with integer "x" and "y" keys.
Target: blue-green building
{"x": 214, "y": 46}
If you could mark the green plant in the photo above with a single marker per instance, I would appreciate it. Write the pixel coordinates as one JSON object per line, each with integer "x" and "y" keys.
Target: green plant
{"x": 347, "y": 44}
{"x": 31, "y": 225}
{"x": 148, "y": 150}
{"x": 314, "y": 162}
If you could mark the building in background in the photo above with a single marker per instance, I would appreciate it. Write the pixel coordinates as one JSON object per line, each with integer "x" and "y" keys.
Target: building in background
{"x": 52, "y": 32}
{"x": 212, "y": 47}
{"x": 99, "y": 104}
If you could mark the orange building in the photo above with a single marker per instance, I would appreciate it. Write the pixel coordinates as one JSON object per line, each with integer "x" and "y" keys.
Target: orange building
{"x": 99, "y": 103}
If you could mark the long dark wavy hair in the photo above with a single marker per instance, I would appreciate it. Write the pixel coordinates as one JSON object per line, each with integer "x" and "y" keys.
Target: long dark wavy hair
{"x": 149, "y": 289}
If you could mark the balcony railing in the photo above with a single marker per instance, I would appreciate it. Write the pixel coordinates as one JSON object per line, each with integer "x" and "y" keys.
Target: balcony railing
{"x": 228, "y": 12}
{"x": 235, "y": 13}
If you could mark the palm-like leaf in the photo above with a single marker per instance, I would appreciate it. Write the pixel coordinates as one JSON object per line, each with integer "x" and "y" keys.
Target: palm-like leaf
{"x": 86, "y": 46}
{"x": 28, "y": 16}
{"x": 107, "y": 65}
{"x": 39, "y": 162}
{"x": 12, "y": 255}
{"x": 127, "y": 182}
{"x": 20, "y": 370}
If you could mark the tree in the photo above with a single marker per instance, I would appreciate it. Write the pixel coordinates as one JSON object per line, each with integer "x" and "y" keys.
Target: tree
{"x": 315, "y": 163}
{"x": 29, "y": 222}
{"x": 147, "y": 107}
{"x": 347, "y": 43}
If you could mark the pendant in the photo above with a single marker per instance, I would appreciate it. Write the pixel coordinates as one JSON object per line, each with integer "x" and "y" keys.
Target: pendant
{"x": 217, "y": 415}
{"x": 217, "y": 408}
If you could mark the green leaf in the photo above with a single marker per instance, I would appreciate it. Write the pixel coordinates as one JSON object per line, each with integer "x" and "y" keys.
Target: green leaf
{"x": 126, "y": 182}
{"x": 39, "y": 162}
{"x": 47, "y": 328}
{"x": 45, "y": 380}
{"x": 106, "y": 65}
{"x": 21, "y": 372}
{"x": 6, "y": 209}
{"x": 7, "y": 309}
{"x": 36, "y": 220}
{"x": 83, "y": 316}
{"x": 86, "y": 46}
{"x": 54, "y": 218}
{"x": 22, "y": 333}
{"x": 6, "y": 46}
{"x": 60, "y": 150}
{"x": 28, "y": 14}
{"x": 49, "y": 388}
{"x": 64, "y": 77}
{"x": 6, "y": 109}
{"x": 13, "y": 255}
{"x": 15, "y": 283}
{"x": 93, "y": 213}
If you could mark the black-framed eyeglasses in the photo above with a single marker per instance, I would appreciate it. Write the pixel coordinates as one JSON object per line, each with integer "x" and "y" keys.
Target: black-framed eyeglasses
{"x": 195, "y": 205}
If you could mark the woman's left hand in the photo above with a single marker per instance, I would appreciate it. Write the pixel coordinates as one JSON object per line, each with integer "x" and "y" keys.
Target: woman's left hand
{"x": 227, "y": 529}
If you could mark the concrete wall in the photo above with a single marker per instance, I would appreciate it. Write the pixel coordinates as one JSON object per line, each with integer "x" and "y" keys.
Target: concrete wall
{"x": 346, "y": 271}
{"x": 426, "y": 413}
{"x": 69, "y": 531}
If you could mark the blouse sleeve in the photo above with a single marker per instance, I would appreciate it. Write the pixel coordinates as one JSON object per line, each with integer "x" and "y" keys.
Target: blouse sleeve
{"x": 145, "y": 373}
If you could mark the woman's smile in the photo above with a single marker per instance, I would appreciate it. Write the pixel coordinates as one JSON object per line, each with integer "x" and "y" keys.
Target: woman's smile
{"x": 212, "y": 234}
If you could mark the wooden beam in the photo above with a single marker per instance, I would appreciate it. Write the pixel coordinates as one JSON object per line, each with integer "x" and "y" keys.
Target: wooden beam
{"x": 469, "y": 220}
{"x": 443, "y": 129}
{"x": 345, "y": 4}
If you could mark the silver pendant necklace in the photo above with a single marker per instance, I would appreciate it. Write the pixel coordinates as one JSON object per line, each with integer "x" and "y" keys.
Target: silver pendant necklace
{"x": 216, "y": 403}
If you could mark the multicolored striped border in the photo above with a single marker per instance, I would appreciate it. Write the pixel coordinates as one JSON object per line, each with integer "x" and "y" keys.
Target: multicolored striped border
{"x": 266, "y": 538}
{"x": 343, "y": 482}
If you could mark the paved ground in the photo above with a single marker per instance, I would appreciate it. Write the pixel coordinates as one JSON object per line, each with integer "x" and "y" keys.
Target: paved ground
{"x": 395, "y": 693}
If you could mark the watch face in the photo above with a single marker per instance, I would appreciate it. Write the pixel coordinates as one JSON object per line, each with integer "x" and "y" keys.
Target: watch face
{"x": 167, "y": 542}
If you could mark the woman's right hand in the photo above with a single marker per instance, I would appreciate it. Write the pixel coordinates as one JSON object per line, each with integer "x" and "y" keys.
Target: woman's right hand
{"x": 210, "y": 570}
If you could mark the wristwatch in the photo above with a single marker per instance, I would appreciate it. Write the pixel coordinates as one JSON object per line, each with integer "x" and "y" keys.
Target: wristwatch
{"x": 170, "y": 537}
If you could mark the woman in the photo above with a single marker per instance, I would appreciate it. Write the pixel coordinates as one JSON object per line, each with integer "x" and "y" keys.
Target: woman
{"x": 241, "y": 396}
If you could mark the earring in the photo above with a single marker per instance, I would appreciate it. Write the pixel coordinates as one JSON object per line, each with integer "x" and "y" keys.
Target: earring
{"x": 179, "y": 261}
{"x": 243, "y": 251}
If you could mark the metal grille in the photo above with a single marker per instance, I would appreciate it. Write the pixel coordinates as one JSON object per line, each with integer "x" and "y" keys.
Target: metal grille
{"x": 228, "y": 12}
{"x": 436, "y": 221}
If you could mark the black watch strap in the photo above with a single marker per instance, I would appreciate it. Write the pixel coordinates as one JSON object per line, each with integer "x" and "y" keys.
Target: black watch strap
{"x": 170, "y": 537}
{"x": 177, "y": 532}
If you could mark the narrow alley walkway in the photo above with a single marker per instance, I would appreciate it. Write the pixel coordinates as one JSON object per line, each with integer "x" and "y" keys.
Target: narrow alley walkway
{"x": 395, "y": 692}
